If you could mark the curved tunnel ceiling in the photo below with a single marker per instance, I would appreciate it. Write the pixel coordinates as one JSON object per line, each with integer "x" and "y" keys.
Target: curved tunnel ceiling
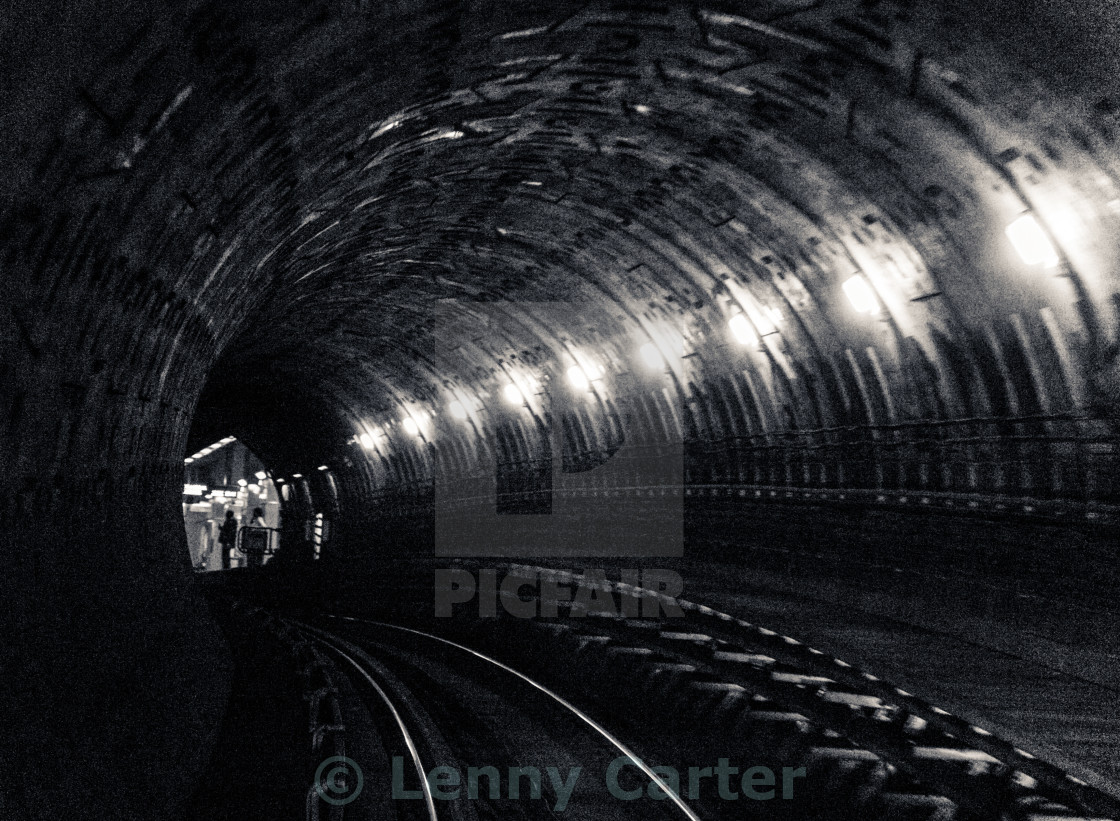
{"x": 302, "y": 205}
{"x": 302, "y": 224}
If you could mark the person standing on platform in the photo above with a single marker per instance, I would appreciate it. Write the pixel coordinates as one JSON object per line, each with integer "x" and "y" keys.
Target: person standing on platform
{"x": 255, "y": 548}
{"x": 227, "y": 536}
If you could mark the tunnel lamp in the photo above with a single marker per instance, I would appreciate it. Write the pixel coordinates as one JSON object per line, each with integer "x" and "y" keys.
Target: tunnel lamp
{"x": 651, "y": 356}
{"x": 458, "y": 410}
{"x": 323, "y": 467}
{"x": 242, "y": 482}
{"x": 513, "y": 394}
{"x": 261, "y": 475}
{"x": 194, "y": 490}
{"x": 741, "y": 329}
{"x": 1031, "y": 242}
{"x": 188, "y": 460}
{"x": 297, "y": 475}
{"x": 577, "y": 378}
{"x": 861, "y": 295}
{"x": 410, "y": 426}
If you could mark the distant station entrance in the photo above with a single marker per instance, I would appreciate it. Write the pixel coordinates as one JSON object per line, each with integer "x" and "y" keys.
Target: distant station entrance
{"x": 224, "y": 478}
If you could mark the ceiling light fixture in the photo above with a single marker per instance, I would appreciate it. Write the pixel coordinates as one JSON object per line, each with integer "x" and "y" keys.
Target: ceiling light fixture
{"x": 741, "y": 329}
{"x": 861, "y": 295}
{"x": 1031, "y": 242}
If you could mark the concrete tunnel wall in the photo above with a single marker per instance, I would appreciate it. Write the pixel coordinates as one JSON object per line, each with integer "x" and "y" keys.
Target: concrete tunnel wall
{"x": 241, "y": 214}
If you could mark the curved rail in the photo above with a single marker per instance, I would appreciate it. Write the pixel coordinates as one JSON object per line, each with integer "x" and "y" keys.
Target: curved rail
{"x": 590, "y": 722}
{"x": 339, "y": 648}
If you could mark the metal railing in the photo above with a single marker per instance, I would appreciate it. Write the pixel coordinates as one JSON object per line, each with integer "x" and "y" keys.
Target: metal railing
{"x": 260, "y": 540}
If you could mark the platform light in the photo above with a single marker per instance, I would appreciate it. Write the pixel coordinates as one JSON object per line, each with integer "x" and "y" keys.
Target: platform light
{"x": 194, "y": 490}
{"x": 651, "y": 356}
{"x": 741, "y": 329}
{"x": 242, "y": 483}
{"x": 861, "y": 295}
{"x": 458, "y": 409}
{"x": 1031, "y": 242}
{"x": 261, "y": 475}
{"x": 206, "y": 451}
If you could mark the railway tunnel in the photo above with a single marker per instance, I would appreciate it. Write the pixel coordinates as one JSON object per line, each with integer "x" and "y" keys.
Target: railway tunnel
{"x": 806, "y": 301}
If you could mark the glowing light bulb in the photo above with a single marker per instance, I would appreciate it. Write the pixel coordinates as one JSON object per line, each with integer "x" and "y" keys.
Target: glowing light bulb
{"x": 458, "y": 410}
{"x": 1031, "y": 242}
{"x": 513, "y": 394}
{"x": 367, "y": 441}
{"x": 410, "y": 426}
{"x": 651, "y": 356}
{"x": 741, "y": 329}
{"x": 861, "y": 295}
{"x": 577, "y": 378}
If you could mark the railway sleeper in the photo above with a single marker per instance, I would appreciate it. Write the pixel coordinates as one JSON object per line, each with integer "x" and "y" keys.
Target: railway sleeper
{"x": 850, "y": 780}
{"x": 916, "y": 807}
{"x": 1038, "y": 808}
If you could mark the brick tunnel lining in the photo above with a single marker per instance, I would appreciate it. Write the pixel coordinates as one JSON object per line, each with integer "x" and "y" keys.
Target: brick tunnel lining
{"x": 185, "y": 211}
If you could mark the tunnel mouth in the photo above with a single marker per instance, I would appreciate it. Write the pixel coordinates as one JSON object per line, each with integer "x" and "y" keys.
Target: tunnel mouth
{"x": 226, "y": 482}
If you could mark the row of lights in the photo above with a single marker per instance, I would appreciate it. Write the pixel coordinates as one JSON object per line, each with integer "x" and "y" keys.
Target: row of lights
{"x": 210, "y": 449}
{"x": 199, "y": 490}
{"x": 581, "y": 377}
{"x": 1026, "y": 235}
{"x": 280, "y": 479}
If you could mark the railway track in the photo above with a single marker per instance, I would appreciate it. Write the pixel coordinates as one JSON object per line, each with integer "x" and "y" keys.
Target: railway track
{"x": 459, "y": 713}
{"x": 718, "y": 686}
{"x": 584, "y": 690}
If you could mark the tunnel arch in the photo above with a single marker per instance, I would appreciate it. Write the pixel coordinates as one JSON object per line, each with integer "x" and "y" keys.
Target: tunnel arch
{"x": 239, "y": 216}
